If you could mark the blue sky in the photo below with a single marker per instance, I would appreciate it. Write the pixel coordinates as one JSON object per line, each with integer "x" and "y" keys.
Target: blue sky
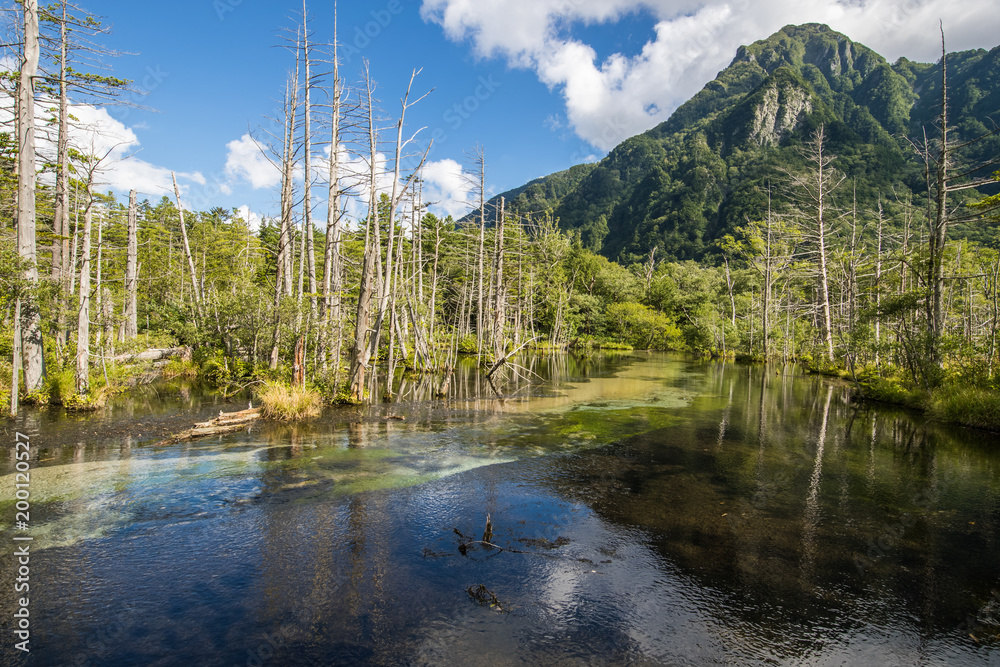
{"x": 540, "y": 84}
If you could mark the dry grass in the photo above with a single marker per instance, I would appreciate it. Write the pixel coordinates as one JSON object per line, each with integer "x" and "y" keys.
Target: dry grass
{"x": 286, "y": 403}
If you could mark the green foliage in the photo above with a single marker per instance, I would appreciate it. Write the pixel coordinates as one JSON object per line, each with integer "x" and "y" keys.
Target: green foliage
{"x": 642, "y": 327}
{"x": 467, "y": 345}
{"x": 683, "y": 237}
{"x": 61, "y": 386}
{"x": 220, "y": 370}
{"x": 180, "y": 368}
{"x": 696, "y": 177}
{"x": 94, "y": 400}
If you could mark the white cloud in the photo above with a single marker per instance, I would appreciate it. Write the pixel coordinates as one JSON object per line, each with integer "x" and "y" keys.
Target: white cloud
{"x": 447, "y": 188}
{"x": 245, "y": 160}
{"x": 253, "y": 219}
{"x": 622, "y": 95}
{"x": 94, "y": 131}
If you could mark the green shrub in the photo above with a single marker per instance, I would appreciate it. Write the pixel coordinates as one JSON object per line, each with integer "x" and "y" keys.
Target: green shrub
{"x": 642, "y": 327}
{"x": 467, "y": 345}
{"x": 890, "y": 390}
{"x": 181, "y": 368}
{"x": 94, "y": 400}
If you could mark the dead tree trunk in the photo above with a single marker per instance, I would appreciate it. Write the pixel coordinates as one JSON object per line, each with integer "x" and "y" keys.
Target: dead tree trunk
{"x": 15, "y": 369}
{"x": 283, "y": 274}
{"x": 332, "y": 273}
{"x": 285, "y": 243}
{"x": 361, "y": 354}
{"x": 31, "y": 321}
{"x": 61, "y": 267}
{"x": 480, "y": 159}
{"x": 307, "y": 149}
{"x": 130, "y": 325}
{"x": 299, "y": 362}
{"x": 196, "y": 292}
{"x": 386, "y": 289}
{"x": 82, "y": 376}
{"x": 499, "y": 296}
{"x": 812, "y": 192}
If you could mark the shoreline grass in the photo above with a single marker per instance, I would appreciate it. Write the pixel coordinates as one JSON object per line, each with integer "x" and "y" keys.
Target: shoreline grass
{"x": 283, "y": 402}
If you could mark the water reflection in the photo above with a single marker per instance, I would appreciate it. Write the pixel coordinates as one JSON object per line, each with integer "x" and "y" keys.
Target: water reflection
{"x": 650, "y": 510}
{"x": 824, "y": 523}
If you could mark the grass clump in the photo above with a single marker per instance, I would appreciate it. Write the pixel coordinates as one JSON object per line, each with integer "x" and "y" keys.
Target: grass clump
{"x": 94, "y": 400}
{"x": 180, "y": 368}
{"x": 284, "y": 402}
{"x": 978, "y": 407}
{"x": 891, "y": 390}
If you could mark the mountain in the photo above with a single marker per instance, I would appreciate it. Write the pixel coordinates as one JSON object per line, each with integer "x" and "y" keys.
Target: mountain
{"x": 706, "y": 169}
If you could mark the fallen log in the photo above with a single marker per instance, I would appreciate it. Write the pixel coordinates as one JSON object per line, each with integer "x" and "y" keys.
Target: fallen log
{"x": 226, "y": 422}
{"x": 503, "y": 359}
{"x": 154, "y": 354}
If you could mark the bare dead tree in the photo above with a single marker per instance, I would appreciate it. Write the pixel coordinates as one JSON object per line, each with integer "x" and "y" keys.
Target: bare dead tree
{"x": 944, "y": 176}
{"x": 195, "y": 288}
{"x": 811, "y": 191}
{"x": 130, "y": 326}
{"x": 31, "y": 321}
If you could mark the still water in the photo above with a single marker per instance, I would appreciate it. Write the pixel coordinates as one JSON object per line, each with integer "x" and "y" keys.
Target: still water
{"x": 644, "y": 509}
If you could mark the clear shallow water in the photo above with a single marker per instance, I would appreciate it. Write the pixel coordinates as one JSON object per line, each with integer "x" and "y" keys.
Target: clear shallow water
{"x": 651, "y": 510}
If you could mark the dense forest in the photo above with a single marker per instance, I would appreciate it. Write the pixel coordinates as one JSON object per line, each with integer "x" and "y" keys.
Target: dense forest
{"x": 793, "y": 210}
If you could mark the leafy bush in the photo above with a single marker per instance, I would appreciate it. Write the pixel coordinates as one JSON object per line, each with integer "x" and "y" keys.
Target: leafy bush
{"x": 467, "y": 345}
{"x": 642, "y": 327}
{"x": 221, "y": 371}
{"x": 889, "y": 390}
{"x": 95, "y": 400}
{"x": 180, "y": 368}
{"x": 61, "y": 385}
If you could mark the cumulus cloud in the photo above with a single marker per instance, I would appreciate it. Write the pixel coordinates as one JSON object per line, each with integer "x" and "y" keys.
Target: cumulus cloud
{"x": 246, "y": 160}
{"x": 447, "y": 188}
{"x": 245, "y": 214}
{"x": 614, "y": 98}
{"x": 94, "y": 131}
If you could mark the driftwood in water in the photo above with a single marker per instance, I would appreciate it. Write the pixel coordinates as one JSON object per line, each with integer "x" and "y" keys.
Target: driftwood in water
{"x": 226, "y": 422}
{"x": 505, "y": 358}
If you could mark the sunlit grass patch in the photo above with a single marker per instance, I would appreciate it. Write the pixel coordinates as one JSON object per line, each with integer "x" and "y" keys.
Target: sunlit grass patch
{"x": 286, "y": 403}
{"x": 890, "y": 390}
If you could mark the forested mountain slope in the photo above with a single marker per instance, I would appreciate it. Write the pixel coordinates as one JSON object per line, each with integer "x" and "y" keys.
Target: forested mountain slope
{"x": 683, "y": 184}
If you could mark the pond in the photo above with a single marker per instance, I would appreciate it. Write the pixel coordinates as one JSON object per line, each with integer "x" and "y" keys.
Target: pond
{"x": 638, "y": 509}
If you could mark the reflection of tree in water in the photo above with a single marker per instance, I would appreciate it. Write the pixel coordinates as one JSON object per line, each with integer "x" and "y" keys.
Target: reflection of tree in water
{"x": 812, "y": 509}
{"x": 803, "y": 481}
